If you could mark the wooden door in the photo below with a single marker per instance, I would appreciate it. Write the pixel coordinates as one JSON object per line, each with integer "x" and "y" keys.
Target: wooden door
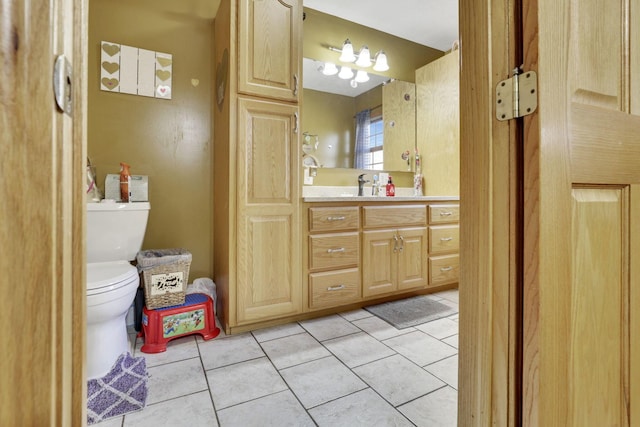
{"x": 269, "y": 251}
{"x": 581, "y": 338}
{"x": 379, "y": 264}
{"x": 41, "y": 217}
{"x": 412, "y": 258}
{"x": 270, "y": 34}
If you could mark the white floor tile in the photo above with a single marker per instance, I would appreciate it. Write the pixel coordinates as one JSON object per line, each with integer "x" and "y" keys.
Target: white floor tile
{"x": 325, "y": 328}
{"x": 294, "y": 350}
{"x": 358, "y": 349}
{"x": 267, "y": 334}
{"x": 420, "y": 348}
{"x": 355, "y": 314}
{"x": 110, "y": 422}
{"x": 379, "y": 329}
{"x": 320, "y": 381}
{"x": 233, "y": 349}
{"x": 174, "y": 380}
{"x": 439, "y": 408}
{"x": 440, "y": 328}
{"x": 362, "y": 409}
{"x": 194, "y": 410}
{"x": 452, "y": 341}
{"x": 276, "y": 410}
{"x": 446, "y": 370}
{"x": 177, "y": 349}
{"x": 241, "y": 382}
{"x": 397, "y": 379}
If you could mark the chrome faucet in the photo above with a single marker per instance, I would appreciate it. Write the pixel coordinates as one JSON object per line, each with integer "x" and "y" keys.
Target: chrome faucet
{"x": 361, "y": 182}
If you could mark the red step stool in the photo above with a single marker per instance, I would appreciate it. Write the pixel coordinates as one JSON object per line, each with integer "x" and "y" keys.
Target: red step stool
{"x": 195, "y": 316}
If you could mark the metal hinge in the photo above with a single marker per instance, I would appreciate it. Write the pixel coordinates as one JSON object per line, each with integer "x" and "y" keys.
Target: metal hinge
{"x": 517, "y": 96}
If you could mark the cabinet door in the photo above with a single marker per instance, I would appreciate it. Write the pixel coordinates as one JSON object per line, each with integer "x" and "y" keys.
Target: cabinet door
{"x": 412, "y": 258}
{"x": 269, "y": 274}
{"x": 270, "y": 50}
{"x": 379, "y": 266}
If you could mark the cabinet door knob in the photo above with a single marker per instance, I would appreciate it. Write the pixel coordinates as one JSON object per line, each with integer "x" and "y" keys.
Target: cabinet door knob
{"x": 331, "y": 251}
{"x": 395, "y": 243}
{"x": 335, "y": 218}
{"x": 295, "y": 84}
{"x": 446, "y": 213}
{"x": 446, "y": 239}
{"x": 295, "y": 128}
{"x": 401, "y": 243}
{"x": 446, "y": 268}
{"x": 335, "y": 288}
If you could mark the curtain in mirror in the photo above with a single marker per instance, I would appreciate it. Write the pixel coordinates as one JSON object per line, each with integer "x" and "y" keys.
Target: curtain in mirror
{"x": 361, "y": 152}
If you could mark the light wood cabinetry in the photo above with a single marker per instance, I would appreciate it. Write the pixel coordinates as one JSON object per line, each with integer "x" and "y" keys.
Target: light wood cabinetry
{"x": 334, "y": 256}
{"x": 444, "y": 244}
{"x": 257, "y": 227}
{"x": 270, "y": 34}
{"x": 393, "y": 258}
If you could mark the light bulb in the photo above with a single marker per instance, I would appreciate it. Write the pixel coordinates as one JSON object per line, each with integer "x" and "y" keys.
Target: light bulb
{"x": 353, "y": 83}
{"x": 347, "y": 54}
{"x": 329, "y": 69}
{"x": 362, "y": 76}
{"x": 345, "y": 73}
{"x": 381, "y": 62}
{"x": 364, "y": 57}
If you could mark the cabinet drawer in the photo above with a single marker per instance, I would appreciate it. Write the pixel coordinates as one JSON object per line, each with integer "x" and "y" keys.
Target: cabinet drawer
{"x": 394, "y": 216}
{"x": 443, "y": 239}
{"x": 444, "y": 213}
{"x": 333, "y": 250}
{"x": 334, "y": 219}
{"x": 334, "y": 288}
{"x": 444, "y": 269}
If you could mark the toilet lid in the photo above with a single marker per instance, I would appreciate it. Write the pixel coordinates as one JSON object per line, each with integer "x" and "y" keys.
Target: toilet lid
{"x": 107, "y": 276}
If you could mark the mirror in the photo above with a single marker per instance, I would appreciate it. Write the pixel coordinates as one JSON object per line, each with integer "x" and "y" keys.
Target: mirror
{"x": 330, "y": 120}
{"x": 330, "y": 104}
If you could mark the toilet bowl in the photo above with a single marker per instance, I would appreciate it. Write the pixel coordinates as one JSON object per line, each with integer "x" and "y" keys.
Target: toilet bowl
{"x": 111, "y": 287}
{"x": 114, "y": 236}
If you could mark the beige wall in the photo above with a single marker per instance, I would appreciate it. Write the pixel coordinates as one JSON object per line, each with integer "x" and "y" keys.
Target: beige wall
{"x": 168, "y": 140}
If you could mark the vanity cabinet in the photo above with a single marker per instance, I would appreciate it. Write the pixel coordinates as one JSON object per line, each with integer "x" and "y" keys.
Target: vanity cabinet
{"x": 333, "y": 256}
{"x": 444, "y": 244}
{"x": 270, "y": 34}
{"x": 256, "y": 157}
{"x": 394, "y": 242}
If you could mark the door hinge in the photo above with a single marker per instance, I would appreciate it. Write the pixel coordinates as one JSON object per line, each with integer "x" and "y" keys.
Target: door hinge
{"x": 517, "y": 96}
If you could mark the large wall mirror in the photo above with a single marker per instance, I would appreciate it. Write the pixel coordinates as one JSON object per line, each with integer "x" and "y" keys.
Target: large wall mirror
{"x": 334, "y": 110}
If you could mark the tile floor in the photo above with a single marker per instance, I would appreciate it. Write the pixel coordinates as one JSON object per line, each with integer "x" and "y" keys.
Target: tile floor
{"x": 348, "y": 369}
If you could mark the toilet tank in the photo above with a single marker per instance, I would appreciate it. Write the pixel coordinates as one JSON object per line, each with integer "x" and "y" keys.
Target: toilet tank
{"x": 115, "y": 230}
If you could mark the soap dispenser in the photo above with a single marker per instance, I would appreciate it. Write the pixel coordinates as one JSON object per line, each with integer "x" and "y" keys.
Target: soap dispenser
{"x": 391, "y": 188}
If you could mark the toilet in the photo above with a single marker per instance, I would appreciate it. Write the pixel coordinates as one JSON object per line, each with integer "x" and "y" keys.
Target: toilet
{"x": 115, "y": 232}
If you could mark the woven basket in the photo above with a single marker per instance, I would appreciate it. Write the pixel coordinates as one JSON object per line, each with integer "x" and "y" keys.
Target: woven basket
{"x": 165, "y": 275}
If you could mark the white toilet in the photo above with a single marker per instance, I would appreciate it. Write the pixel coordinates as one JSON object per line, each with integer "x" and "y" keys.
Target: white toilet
{"x": 114, "y": 236}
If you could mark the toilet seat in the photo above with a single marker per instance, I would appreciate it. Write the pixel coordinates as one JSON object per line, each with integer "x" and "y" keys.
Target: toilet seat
{"x": 108, "y": 276}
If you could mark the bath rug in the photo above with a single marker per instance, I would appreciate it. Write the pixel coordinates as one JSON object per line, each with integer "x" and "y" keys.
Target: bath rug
{"x": 122, "y": 390}
{"x": 409, "y": 312}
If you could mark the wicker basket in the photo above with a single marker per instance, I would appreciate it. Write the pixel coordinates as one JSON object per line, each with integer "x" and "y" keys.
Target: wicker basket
{"x": 165, "y": 275}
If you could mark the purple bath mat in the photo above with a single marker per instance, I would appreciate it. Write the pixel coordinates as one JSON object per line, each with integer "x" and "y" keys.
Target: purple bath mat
{"x": 122, "y": 390}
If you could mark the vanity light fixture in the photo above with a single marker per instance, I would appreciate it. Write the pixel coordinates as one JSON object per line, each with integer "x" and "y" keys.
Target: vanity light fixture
{"x": 362, "y": 76}
{"x": 363, "y": 58}
{"x": 345, "y": 73}
{"x": 329, "y": 69}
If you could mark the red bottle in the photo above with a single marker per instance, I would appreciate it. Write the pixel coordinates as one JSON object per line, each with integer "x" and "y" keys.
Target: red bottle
{"x": 391, "y": 189}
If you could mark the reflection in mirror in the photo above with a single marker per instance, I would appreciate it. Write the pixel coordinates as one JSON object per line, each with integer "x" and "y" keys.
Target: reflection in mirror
{"x": 363, "y": 125}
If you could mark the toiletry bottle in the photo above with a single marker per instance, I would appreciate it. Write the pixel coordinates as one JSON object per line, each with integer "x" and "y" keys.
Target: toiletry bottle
{"x": 125, "y": 181}
{"x": 391, "y": 189}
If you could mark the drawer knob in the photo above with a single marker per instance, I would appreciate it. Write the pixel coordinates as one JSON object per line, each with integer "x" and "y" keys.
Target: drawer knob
{"x": 331, "y": 251}
{"x": 446, "y": 213}
{"x": 446, "y": 239}
{"x": 335, "y": 218}
{"x": 335, "y": 288}
{"x": 446, "y": 268}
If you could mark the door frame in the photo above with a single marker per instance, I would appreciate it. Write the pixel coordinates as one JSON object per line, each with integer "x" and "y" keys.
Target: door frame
{"x": 490, "y": 220}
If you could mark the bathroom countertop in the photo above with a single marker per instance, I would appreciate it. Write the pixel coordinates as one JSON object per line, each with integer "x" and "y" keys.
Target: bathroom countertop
{"x": 318, "y": 199}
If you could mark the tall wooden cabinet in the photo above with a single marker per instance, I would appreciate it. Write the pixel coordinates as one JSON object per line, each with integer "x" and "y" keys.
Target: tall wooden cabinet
{"x": 257, "y": 245}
